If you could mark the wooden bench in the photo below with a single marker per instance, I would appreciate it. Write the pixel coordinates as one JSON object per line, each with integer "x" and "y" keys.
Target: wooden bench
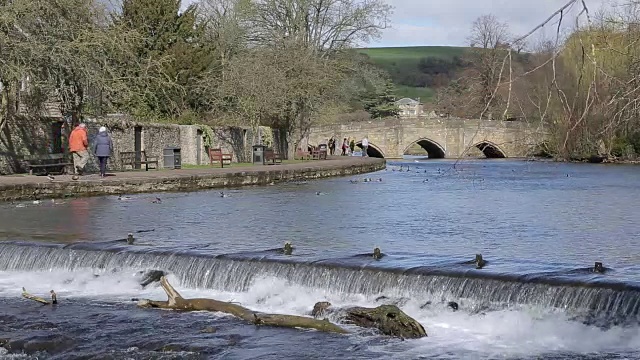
{"x": 272, "y": 156}
{"x": 57, "y": 162}
{"x": 302, "y": 155}
{"x": 217, "y": 156}
{"x": 129, "y": 158}
{"x": 319, "y": 153}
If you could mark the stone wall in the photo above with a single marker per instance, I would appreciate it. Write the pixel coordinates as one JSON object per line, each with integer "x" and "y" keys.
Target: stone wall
{"x": 187, "y": 180}
{"x": 193, "y": 150}
{"x": 153, "y": 139}
{"x": 35, "y": 136}
{"x": 23, "y": 136}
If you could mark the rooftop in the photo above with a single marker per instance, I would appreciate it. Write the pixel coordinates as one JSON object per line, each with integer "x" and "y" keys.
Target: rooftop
{"x": 407, "y": 101}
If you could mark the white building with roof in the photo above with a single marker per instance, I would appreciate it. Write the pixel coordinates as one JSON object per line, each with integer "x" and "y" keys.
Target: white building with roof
{"x": 410, "y": 108}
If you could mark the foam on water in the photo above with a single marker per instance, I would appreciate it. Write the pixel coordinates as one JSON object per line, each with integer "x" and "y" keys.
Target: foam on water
{"x": 513, "y": 332}
{"x": 610, "y": 302}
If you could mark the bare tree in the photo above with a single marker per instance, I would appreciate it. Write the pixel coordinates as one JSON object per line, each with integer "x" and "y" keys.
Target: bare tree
{"x": 487, "y": 32}
{"x": 477, "y": 92}
{"x": 254, "y": 89}
{"x": 54, "y": 50}
{"x": 316, "y": 31}
{"x": 227, "y": 26}
{"x": 69, "y": 53}
{"x": 322, "y": 25}
{"x": 285, "y": 61}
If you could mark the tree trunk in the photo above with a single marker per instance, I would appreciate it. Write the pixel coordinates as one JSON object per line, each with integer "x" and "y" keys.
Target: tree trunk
{"x": 389, "y": 319}
{"x": 4, "y": 110}
{"x": 177, "y": 302}
{"x": 8, "y": 105}
{"x": 281, "y": 142}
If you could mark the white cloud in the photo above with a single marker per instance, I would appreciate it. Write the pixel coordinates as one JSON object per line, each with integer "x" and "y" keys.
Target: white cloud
{"x": 419, "y": 35}
{"x": 447, "y": 22}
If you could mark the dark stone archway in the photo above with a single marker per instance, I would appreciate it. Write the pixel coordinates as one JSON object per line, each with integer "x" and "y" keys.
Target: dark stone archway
{"x": 372, "y": 150}
{"x": 491, "y": 150}
{"x": 433, "y": 149}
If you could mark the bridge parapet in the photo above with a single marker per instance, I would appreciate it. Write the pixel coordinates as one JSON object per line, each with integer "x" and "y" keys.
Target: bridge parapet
{"x": 448, "y": 138}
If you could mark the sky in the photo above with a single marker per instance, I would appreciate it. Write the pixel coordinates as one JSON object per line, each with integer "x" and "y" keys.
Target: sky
{"x": 448, "y": 22}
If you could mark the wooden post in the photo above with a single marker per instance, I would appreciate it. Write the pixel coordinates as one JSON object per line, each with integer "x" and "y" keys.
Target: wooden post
{"x": 598, "y": 267}
{"x": 288, "y": 248}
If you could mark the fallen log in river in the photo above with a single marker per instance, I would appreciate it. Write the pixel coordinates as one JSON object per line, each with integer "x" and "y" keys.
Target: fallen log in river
{"x": 388, "y": 319}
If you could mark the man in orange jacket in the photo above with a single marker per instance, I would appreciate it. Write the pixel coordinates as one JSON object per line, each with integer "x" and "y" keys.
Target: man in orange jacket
{"x": 78, "y": 145}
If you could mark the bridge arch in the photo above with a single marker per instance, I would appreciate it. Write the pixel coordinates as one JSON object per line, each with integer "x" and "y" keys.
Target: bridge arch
{"x": 433, "y": 149}
{"x": 372, "y": 150}
{"x": 490, "y": 150}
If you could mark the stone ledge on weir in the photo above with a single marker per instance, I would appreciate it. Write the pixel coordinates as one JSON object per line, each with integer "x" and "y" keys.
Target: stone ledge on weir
{"x": 19, "y": 188}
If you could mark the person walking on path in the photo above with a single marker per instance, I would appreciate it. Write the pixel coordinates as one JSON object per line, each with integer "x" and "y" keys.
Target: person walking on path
{"x": 78, "y": 145}
{"x": 352, "y": 146}
{"x": 103, "y": 149}
{"x": 332, "y": 146}
{"x": 345, "y": 146}
{"x": 365, "y": 146}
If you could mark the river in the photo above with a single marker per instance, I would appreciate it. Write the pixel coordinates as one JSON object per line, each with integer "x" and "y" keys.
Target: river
{"x": 541, "y": 226}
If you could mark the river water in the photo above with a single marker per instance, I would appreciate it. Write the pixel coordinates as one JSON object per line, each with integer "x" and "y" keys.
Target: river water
{"x": 540, "y": 226}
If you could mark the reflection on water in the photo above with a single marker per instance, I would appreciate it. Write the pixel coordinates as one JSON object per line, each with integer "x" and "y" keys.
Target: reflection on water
{"x": 48, "y": 220}
{"x": 78, "y": 221}
{"x": 516, "y": 211}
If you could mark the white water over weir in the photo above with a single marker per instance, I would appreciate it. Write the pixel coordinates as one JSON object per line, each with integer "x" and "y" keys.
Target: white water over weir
{"x": 615, "y": 303}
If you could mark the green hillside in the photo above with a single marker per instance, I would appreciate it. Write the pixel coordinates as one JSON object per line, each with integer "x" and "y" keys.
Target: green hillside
{"x": 411, "y": 55}
{"x": 425, "y": 94}
{"x": 413, "y": 75}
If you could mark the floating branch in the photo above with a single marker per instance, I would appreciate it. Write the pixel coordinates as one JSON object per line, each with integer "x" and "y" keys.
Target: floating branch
{"x": 389, "y": 319}
{"x": 54, "y": 298}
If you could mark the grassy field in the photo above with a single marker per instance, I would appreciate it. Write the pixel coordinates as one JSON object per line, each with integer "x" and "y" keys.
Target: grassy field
{"x": 397, "y": 60}
{"x": 425, "y": 94}
{"x": 410, "y": 55}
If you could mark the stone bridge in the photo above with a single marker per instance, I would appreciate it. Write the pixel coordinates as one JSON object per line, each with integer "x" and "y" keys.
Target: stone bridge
{"x": 439, "y": 137}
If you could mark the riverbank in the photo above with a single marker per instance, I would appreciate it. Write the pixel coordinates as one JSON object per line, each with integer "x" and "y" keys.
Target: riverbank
{"x": 592, "y": 160}
{"x": 26, "y": 187}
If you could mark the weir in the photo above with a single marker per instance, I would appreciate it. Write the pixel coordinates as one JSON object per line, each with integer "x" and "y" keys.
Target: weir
{"x": 608, "y": 300}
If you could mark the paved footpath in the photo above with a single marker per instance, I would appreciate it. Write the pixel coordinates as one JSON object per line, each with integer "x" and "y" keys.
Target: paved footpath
{"x": 23, "y": 187}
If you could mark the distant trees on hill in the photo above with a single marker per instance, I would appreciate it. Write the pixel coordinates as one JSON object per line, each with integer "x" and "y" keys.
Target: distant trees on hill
{"x": 430, "y": 72}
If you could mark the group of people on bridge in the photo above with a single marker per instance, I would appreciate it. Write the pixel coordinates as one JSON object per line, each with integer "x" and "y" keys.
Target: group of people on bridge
{"x": 348, "y": 146}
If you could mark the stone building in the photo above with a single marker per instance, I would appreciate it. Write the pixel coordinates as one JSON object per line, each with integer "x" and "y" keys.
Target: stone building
{"x": 47, "y": 135}
{"x": 410, "y": 108}
{"x": 45, "y": 131}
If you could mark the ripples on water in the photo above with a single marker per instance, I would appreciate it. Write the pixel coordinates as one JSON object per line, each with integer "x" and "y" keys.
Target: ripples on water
{"x": 525, "y": 218}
